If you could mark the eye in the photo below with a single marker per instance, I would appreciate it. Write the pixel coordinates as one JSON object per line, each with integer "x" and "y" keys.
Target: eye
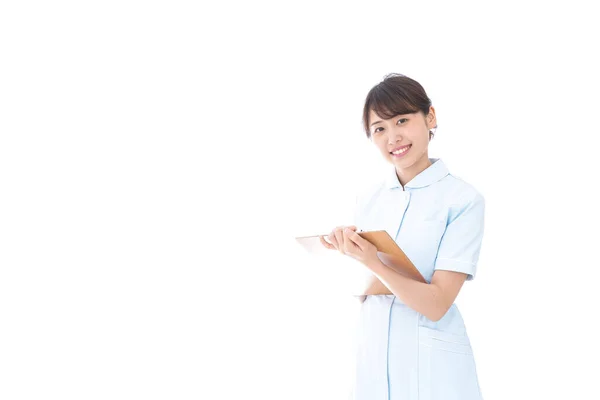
{"x": 376, "y": 130}
{"x": 400, "y": 120}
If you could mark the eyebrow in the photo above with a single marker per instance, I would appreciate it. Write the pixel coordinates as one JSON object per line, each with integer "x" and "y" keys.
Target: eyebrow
{"x": 397, "y": 115}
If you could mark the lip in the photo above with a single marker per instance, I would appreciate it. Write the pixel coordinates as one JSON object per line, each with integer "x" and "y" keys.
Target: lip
{"x": 399, "y": 148}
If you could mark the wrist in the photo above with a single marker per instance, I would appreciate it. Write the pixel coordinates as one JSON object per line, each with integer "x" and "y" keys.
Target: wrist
{"x": 374, "y": 265}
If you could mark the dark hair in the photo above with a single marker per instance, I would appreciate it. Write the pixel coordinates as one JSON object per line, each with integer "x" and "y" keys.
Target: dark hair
{"x": 396, "y": 94}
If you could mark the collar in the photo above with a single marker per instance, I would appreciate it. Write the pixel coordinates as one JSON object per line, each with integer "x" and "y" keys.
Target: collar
{"x": 432, "y": 174}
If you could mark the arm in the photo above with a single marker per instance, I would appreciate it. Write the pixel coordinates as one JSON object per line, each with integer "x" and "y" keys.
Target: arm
{"x": 374, "y": 285}
{"x": 430, "y": 299}
{"x": 456, "y": 262}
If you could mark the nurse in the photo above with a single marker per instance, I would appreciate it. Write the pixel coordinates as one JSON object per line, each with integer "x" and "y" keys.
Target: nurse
{"x": 412, "y": 341}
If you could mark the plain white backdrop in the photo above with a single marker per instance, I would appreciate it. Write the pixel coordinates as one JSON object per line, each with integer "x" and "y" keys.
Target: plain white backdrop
{"x": 157, "y": 159}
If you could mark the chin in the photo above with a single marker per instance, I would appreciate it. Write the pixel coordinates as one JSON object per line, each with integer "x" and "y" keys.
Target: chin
{"x": 403, "y": 163}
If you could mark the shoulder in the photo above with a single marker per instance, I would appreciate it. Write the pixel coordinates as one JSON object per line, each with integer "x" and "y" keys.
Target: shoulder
{"x": 460, "y": 192}
{"x": 462, "y": 197}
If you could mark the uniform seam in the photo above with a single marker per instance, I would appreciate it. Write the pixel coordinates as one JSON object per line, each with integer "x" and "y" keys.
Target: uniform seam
{"x": 418, "y": 366}
{"x": 388, "y": 348}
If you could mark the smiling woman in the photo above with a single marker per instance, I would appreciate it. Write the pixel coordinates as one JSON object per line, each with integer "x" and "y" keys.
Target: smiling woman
{"x": 399, "y": 118}
{"x": 412, "y": 341}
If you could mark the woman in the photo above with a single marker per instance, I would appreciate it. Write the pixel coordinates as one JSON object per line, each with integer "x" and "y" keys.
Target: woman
{"x": 412, "y": 341}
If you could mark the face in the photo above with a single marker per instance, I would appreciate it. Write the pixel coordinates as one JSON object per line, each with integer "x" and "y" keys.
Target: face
{"x": 404, "y": 139}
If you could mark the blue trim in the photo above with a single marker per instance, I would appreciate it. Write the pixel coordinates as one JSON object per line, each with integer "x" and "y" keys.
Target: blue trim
{"x": 403, "y": 215}
{"x": 388, "y": 348}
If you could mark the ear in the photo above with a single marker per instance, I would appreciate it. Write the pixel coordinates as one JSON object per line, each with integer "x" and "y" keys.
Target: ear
{"x": 431, "y": 118}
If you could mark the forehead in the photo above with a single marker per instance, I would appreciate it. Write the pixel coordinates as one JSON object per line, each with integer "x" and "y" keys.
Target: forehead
{"x": 373, "y": 117}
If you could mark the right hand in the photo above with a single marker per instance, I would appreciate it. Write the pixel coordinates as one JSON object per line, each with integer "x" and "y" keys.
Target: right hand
{"x": 336, "y": 238}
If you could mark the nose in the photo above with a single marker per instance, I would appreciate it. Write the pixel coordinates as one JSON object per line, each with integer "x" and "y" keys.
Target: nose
{"x": 394, "y": 136}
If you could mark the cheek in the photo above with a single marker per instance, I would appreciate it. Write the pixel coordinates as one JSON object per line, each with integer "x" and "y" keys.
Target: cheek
{"x": 381, "y": 145}
{"x": 421, "y": 140}
{"x": 385, "y": 152}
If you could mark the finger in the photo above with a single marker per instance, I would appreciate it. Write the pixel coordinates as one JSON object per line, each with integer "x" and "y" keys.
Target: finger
{"x": 351, "y": 227}
{"x": 326, "y": 244}
{"x": 357, "y": 239}
{"x": 333, "y": 240}
{"x": 339, "y": 236}
{"x": 349, "y": 245}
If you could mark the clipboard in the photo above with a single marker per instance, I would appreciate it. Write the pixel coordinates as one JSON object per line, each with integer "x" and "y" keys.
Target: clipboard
{"x": 388, "y": 252}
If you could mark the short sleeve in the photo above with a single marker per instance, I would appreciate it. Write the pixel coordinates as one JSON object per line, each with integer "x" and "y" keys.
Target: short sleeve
{"x": 461, "y": 243}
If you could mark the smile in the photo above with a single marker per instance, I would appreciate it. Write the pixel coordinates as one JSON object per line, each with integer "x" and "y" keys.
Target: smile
{"x": 400, "y": 151}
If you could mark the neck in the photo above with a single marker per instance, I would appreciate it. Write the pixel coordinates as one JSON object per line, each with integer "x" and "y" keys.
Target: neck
{"x": 407, "y": 174}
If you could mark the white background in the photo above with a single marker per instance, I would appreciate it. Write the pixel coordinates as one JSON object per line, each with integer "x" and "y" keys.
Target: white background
{"x": 157, "y": 159}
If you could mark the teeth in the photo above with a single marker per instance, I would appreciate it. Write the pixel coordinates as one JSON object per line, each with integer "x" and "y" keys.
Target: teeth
{"x": 400, "y": 151}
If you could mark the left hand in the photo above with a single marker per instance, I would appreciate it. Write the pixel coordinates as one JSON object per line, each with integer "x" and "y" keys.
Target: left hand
{"x": 358, "y": 248}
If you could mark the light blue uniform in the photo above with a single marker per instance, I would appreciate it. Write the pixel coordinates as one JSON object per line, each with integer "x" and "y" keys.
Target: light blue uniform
{"x": 437, "y": 219}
